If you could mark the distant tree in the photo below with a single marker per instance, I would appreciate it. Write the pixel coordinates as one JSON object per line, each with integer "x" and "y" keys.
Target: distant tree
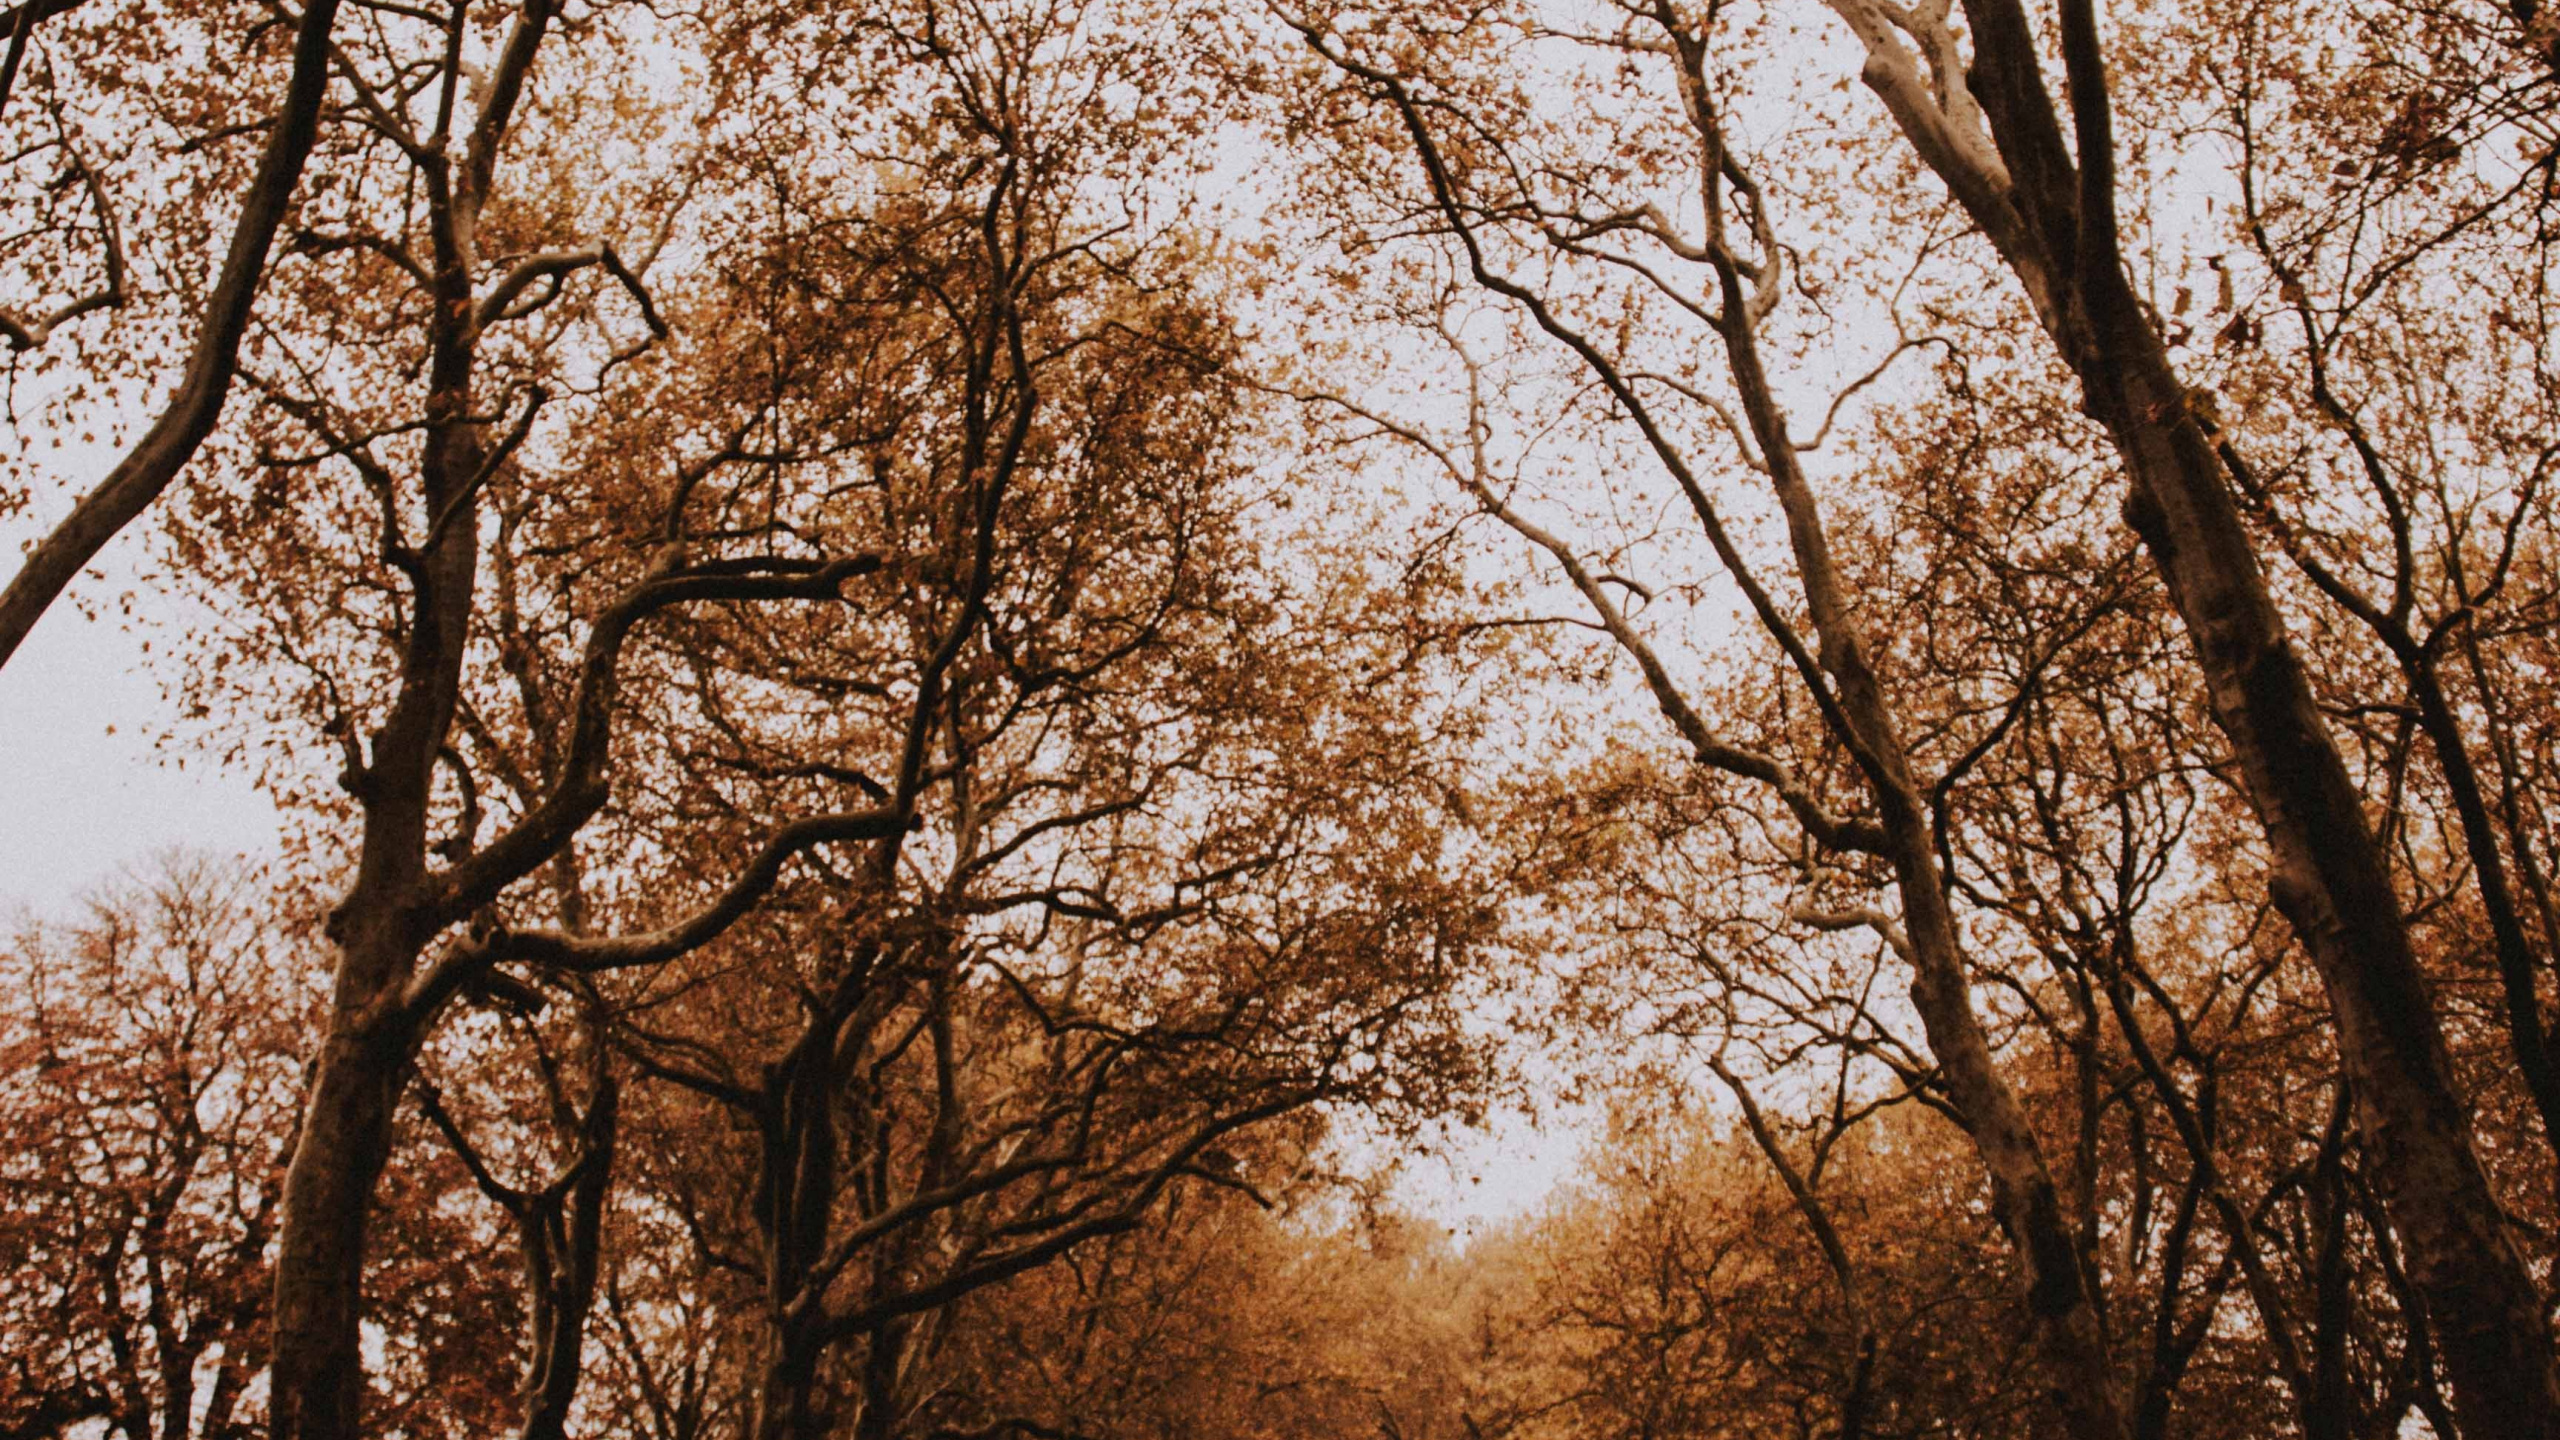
{"x": 151, "y": 1054}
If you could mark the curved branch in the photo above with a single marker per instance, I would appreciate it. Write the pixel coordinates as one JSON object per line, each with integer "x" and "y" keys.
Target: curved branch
{"x": 563, "y": 950}
{"x": 581, "y": 788}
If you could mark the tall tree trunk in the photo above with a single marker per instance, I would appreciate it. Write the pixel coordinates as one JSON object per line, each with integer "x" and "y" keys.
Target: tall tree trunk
{"x": 2068, "y": 1330}
{"x": 800, "y": 1174}
{"x": 2332, "y": 883}
{"x": 316, "y": 1385}
{"x": 383, "y": 926}
{"x": 318, "y": 1378}
{"x": 2052, "y": 216}
{"x": 395, "y": 907}
{"x": 2069, "y": 1334}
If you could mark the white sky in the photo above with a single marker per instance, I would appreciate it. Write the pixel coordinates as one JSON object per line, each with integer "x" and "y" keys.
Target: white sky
{"x": 83, "y": 790}
{"x": 1485, "y": 1178}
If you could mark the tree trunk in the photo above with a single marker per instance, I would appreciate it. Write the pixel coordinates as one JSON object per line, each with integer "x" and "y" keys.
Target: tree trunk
{"x": 795, "y": 1202}
{"x": 563, "y": 1240}
{"x": 2332, "y": 883}
{"x": 381, "y": 929}
{"x": 317, "y": 1386}
{"x": 2329, "y": 876}
{"x": 881, "y": 1361}
{"x": 786, "y": 1390}
{"x": 2070, "y": 1337}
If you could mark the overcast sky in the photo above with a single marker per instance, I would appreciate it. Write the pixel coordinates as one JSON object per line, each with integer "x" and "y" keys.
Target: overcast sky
{"x": 82, "y": 790}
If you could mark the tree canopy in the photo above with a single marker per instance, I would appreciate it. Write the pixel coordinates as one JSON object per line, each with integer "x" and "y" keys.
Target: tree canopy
{"x": 939, "y": 671}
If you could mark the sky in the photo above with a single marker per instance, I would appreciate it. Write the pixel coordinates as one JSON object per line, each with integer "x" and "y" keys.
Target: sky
{"x": 1484, "y": 1178}
{"x": 84, "y": 792}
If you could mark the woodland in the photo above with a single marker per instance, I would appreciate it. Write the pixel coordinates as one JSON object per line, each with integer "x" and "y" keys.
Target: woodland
{"x": 940, "y": 671}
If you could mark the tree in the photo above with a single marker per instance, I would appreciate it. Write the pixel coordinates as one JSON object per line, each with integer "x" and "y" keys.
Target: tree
{"x": 1990, "y": 131}
{"x": 904, "y": 636}
{"x": 155, "y": 1063}
{"x": 1567, "y": 207}
{"x": 941, "y": 401}
{"x": 152, "y": 1061}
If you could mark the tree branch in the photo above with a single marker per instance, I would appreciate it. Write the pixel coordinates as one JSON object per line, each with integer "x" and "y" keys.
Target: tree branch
{"x": 164, "y": 450}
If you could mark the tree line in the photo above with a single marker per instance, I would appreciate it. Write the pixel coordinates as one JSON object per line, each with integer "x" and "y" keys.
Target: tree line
{"x": 916, "y": 652}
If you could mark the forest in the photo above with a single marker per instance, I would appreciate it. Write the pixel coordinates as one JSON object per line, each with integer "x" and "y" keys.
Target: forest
{"x": 943, "y": 675}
